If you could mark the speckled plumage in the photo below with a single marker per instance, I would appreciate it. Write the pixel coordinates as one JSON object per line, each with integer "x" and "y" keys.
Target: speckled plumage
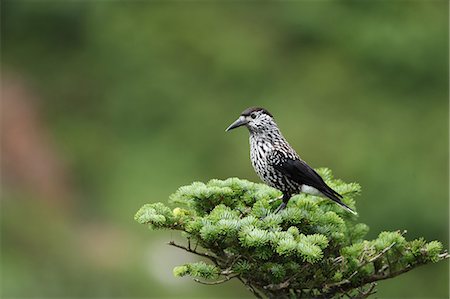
{"x": 277, "y": 163}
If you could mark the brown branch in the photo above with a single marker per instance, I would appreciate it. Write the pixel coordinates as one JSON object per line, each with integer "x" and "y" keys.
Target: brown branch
{"x": 203, "y": 254}
{"x": 229, "y": 270}
{"x": 339, "y": 259}
{"x": 444, "y": 255}
{"x": 227, "y": 278}
{"x": 379, "y": 255}
{"x": 278, "y": 286}
{"x": 366, "y": 293}
{"x": 196, "y": 244}
{"x": 347, "y": 280}
{"x": 287, "y": 282}
{"x": 250, "y": 288}
{"x": 347, "y": 285}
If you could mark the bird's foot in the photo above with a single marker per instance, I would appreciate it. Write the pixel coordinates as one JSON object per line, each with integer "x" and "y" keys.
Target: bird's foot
{"x": 280, "y": 208}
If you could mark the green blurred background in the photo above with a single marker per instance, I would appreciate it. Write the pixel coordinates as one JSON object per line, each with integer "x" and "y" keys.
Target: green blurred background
{"x": 107, "y": 105}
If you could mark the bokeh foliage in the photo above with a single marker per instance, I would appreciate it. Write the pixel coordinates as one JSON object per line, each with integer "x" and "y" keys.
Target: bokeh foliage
{"x": 136, "y": 96}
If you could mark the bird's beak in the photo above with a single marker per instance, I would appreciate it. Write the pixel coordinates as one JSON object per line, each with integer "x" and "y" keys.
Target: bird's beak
{"x": 239, "y": 122}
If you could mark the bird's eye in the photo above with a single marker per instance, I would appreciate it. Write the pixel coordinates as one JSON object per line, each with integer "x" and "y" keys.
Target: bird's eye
{"x": 253, "y": 115}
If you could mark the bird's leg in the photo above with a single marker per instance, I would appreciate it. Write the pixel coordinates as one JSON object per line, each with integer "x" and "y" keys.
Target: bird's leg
{"x": 280, "y": 207}
{"x": 283, "y": 205}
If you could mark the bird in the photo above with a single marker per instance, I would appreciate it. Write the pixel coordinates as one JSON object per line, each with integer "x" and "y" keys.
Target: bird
{"x": 277, "y": 164}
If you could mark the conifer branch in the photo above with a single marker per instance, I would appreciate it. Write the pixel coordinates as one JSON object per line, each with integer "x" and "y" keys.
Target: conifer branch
{"x": 312, "y": 249}
{"x": 251, "y": 288}
{"x": 347, "y": 285}
{"x": 203, "y": 254}
{"x": 379, "y": 255}
{"x": 366, "y": 293}
{"x": 347, "y": 281}
{"x": 227, "y": 278}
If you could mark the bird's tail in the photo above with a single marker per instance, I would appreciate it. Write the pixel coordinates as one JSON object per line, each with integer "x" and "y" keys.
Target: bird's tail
{"x": 346, "y": 207}
{"x": 336, "y": 197}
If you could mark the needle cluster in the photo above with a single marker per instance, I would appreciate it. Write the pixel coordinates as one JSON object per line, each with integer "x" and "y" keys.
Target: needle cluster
{"x": 313, "y": 248}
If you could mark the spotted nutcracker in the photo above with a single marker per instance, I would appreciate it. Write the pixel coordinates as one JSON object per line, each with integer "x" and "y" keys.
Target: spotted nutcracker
{"x": 277, "y": 163}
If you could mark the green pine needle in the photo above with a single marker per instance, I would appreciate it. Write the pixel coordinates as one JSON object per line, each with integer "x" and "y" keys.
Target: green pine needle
{"x": 313, "y": 248}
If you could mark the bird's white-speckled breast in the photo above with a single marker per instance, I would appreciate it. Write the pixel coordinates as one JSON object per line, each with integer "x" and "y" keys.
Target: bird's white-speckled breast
{"x": 259, "y": 149}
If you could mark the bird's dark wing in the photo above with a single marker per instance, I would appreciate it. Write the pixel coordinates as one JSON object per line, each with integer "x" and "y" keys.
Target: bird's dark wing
{"x": 300, "y": 172}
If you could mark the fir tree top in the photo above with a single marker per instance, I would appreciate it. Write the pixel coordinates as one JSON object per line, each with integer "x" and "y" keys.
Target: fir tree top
{"x": 313, "y": 248}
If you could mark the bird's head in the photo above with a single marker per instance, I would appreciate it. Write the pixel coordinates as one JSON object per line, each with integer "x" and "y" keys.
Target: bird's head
{"x": 256, "y": 119}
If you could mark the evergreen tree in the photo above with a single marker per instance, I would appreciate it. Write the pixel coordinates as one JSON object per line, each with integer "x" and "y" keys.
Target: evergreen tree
{"x": 312, "y": 249}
